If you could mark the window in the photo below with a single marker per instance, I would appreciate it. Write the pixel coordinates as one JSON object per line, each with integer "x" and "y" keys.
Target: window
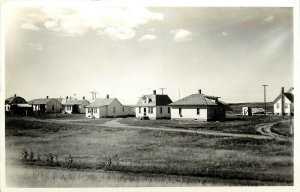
{"x": 95, "y": 110}
{"x": 139, "y": 109}
{"x": 179, "y": 110}
{"x": 150, "y": 110}
{"x": 160, "y": 110}
{"x": 198, "y": 111}
{"x": 149, "y": 100}
{"x": 286, "y": 106}
{"x": 114, "y": 109}
{"x": 277, "y": 105}
{"x": 52, "y": 107}
{"x": 123, "y": 109}
{"x": 169, "y": 110}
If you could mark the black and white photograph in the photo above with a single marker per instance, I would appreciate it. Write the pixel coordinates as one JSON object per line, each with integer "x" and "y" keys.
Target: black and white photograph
{"x": 104, "y": 95}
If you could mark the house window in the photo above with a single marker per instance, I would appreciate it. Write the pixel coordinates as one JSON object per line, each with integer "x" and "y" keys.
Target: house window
{"x": 123, "y": 109}
{"x": 95, "y": 110}
{"x": 160, "y": 110}
{"x": 198, "y": 111}
{"x": 52, "y": 107}
{"x": 286, "y": 106}
{"x": 180, "y": 112}
{"x": 169, "y": 110}
{"x": 277, "y": 105}
{"x": 150, "y": 110}
{"x": 139, "y": 109}
{"x": 114, "y": 109}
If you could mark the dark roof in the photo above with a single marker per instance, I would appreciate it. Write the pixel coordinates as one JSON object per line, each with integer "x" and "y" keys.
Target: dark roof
{"x": 10, "y": 100}
{"x": 200, "y": 100}
{"x": 40, "y": 101}
{"x": 154, "y": 100}
{"x": 290, "y": 90}
{"x": 75, "y": 102}
{"x": 102, "y": 102}
{"x": 289, "y": 96}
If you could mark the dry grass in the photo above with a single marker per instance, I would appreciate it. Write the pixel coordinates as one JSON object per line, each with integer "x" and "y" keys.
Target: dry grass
{"x": 230, "y": 160}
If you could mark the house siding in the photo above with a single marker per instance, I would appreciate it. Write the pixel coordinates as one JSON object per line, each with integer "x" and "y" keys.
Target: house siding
{"x": 189, "y": 112}
{"x": 156, "y": 114}
{"x": 289, "y": 107}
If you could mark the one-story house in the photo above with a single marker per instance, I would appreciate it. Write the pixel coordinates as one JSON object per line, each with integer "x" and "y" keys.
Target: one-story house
{"x": 199, "y": 107}
{"x": 107, "y": 107}
{"x": 76, "y": 106}
{"x": 17, "y": 105}
{"x": 47, "y": 105}
{"x": 284, "y": 103}
{"x": 153, "y": 106}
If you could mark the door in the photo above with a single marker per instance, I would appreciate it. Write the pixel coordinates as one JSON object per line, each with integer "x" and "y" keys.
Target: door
{"x": 144, "y": 111}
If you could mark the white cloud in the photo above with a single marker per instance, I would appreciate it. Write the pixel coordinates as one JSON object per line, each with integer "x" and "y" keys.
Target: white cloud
{"x": 116, "y": 22}
{"x": 147, "y": 37}
{"x": 181, "y": 35}
{"x": 29, "y": 26}
{"x": 119, "y": 33}
{"x": 36, "y": 46}
{"x": 268, "y": 19}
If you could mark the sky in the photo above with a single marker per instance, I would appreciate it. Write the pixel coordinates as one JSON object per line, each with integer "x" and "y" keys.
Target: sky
{"x": 63, "y": 50}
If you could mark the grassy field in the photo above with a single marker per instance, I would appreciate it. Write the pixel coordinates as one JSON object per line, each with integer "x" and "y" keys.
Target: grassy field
{"x": 144, "y": 157}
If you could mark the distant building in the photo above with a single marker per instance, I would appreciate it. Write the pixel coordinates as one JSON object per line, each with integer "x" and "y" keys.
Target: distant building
{"x": 47, "y": 105}
{"x": 17, "y": 105}
{"x": 284, "y": 103}
{"x": 249, "y": 111}
{"x": 199, "y": 107}
{"x": 107, "y": 107}
{"x": 76, "y": 106}
{"x": 153, "y": 106}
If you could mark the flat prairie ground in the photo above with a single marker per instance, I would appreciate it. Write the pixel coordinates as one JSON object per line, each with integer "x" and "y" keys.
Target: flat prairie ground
{"x": 68, "y": 151}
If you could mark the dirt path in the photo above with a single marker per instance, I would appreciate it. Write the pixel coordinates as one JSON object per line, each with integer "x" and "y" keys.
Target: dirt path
{"x": 265, "y": 129}
{"x": 114, "y": 123}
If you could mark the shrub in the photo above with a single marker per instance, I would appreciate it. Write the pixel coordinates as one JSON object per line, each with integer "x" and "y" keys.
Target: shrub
{"x": 31, "y": 156}
{"x": 25, "y": 155}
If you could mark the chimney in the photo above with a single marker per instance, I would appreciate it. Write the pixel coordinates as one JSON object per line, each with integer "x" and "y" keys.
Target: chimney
{"x": 199, "y": 91}
{"x": 107, "y": 96}
{"x": 282, "y": 102}
{"x": 15, "y": 95}
{"x": 217, "y": 100}
{"x": 154, "y": 92}
{"x": 47, "y": 97}
{"x": 83, "y": 98}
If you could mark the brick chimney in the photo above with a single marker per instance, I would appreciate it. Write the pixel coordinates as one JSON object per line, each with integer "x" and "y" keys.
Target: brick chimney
{"x": 282, "y": 101}
{"x": 154, "y": 92}
{"x": 47, "y": 97}
{"x": 83, "y": 98}
{"x": 199, "y": 91}
{"x": 107, "y": 96}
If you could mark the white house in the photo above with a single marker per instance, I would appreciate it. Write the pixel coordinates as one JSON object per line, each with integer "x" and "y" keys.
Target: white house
{"x": 48, "y": 105}
{"x": 153, "y": 106}
{"x": 284, "y": 103}
{"x": 76, "y": 106}
{"x": 107, "y": 107}
{"x": 199, "y": 107}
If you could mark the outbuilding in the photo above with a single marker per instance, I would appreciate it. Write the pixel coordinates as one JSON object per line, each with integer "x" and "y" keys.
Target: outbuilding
{"x": 17, "y": 105}
{"x": 199, "y": 107}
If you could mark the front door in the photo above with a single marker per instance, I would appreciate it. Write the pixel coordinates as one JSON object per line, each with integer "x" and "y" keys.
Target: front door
{"x": 145, "y": 111}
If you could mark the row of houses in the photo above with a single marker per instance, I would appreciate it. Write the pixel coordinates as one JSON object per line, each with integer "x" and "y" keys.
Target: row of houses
{"x": 197, "y": 106}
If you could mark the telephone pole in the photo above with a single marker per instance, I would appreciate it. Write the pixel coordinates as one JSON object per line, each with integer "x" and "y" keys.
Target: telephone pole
{"x": 93, "y": 94}
{"x": 265, "y": 98}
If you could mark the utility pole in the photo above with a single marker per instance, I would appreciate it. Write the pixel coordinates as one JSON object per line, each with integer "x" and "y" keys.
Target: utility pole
{"x": 162, "y": 90}
{"x": 96, "y": 95}
{"x": 265, "y": 98}
{"x": 93, "y": 94}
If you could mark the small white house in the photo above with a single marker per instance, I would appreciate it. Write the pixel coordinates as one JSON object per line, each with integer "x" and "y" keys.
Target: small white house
{"x": 199, "y": 107}
{"x": 284, "y": 103}
{"x": 153, "y": 106}
{"x": 76, "y": 106}
{"x": 48, "y": 105}
{"x": 107, "y": 107}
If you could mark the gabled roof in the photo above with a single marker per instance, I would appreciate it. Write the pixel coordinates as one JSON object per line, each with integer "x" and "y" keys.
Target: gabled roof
{"x": 154, "y": 100}
{"x": 75, "y": 102}
{"x": 11, "y": 99}
{"x": 102, "y": 102}
{"x": 40, "y": 101}
{"x": 289, "y": 96}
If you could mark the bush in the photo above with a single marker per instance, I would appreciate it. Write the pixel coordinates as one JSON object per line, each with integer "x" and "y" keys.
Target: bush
{"x": 25, "y": 155}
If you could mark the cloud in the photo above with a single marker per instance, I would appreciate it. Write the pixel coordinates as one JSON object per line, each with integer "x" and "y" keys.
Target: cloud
{"x": 119, "y": 33}
{"x": 268, "y": 19}
{"x": 181, "y": 35}
{"x": 29, "y": 26}
{"x": 37, "y": 46}
{"x": 147, "y": 37}
{"x": 116, "y": 22}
